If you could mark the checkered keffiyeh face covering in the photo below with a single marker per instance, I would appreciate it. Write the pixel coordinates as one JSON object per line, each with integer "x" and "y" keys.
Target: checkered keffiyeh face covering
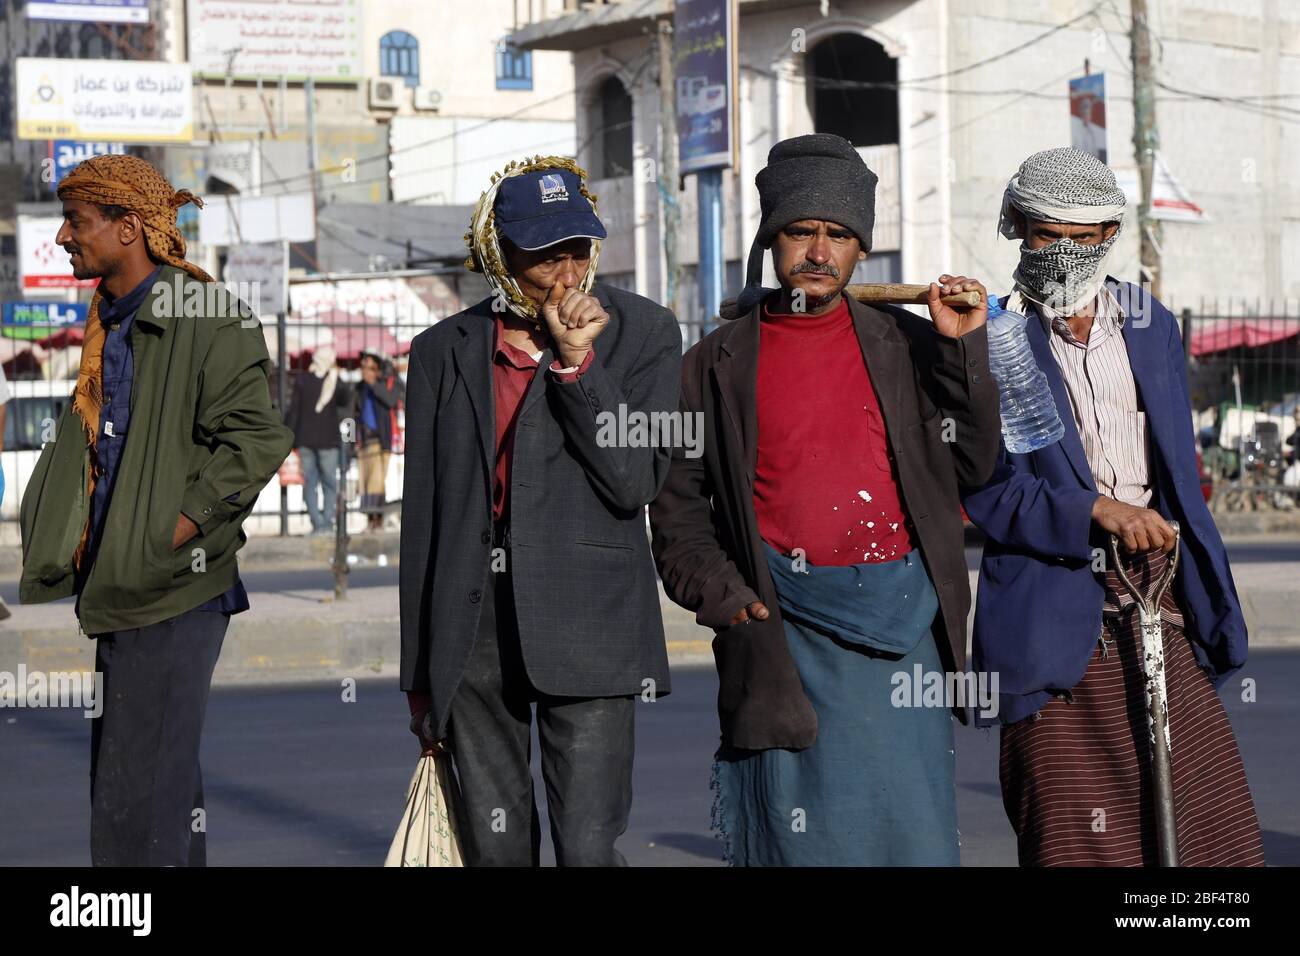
{"x": 1068, "y": 186}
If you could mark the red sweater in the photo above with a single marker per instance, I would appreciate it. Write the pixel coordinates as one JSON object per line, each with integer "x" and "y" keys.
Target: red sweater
{"x": 825, "y": 479}
{"x": 512, "y": 373}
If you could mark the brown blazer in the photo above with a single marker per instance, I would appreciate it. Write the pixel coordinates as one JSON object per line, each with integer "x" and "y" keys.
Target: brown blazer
{"x": 705, "y": 536}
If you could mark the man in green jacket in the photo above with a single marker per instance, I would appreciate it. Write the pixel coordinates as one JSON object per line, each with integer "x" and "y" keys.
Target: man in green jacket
{"x": 137, "y": 504}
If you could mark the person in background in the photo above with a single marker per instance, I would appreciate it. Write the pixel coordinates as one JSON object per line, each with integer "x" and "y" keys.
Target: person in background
{"x": 374, "y": 412}
{"x": 318, "y": 402}
{"x": 1293, "y": 442}
{"x": 4, "y": 401}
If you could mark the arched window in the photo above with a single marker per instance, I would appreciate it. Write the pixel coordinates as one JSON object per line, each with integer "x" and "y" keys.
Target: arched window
{"x": 610, "y": 130}
{"x": 399, "y": 55}
{"x": 853, "y": 90}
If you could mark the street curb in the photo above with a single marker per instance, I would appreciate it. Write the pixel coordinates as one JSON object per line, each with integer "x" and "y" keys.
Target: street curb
{"x": 345, "y": 641}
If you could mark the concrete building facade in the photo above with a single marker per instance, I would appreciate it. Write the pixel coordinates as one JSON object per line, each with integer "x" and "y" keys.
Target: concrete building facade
{"x": 944, "y": 99}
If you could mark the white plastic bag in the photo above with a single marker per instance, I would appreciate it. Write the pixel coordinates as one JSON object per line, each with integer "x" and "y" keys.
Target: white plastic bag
{"x": 427, "y": 834}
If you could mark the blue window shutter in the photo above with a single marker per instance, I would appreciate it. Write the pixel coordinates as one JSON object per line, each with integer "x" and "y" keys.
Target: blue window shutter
{"x": 399, "y": 55}
{"x": 514, "y": 67}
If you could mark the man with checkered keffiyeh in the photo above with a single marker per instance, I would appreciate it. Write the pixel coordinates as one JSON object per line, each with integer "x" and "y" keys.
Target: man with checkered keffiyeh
{"x": 1055, "y": 619}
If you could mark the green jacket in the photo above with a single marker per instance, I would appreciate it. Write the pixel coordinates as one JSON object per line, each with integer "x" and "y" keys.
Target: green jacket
{"x": 202, "y": 430}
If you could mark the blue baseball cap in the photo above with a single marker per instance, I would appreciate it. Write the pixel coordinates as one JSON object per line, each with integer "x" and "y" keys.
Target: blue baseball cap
{"x": 538, "y": 209}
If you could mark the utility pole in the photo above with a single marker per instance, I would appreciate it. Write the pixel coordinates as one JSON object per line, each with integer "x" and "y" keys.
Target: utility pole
{"x": 1146, "y": 141}
{"x": 708, "y": 200}
{"x": 668, "y": 178}
{"x": 309, "y": 88}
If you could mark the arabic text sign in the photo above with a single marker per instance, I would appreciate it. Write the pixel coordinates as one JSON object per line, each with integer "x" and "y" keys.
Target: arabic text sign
{"x": 1088, "y": 114}
{"x": 42, "y": 264}
{"x": 702, "y": 51}
{"x": 39, "y": 315}
{"x": 258, "y": 273}
{"x": 67, "y": 154}
{"x": 131, "y": 101}
{"x": 97, "y": 11}
{"x": 274, "y": 38}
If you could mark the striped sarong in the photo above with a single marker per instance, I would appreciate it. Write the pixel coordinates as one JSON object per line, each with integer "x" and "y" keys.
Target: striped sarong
{"x": 1076, "y": 777}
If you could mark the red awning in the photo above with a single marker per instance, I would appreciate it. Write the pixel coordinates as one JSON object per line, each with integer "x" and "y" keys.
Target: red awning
{"x": 1223, "y": 334}
{"x": 349, "y": 334}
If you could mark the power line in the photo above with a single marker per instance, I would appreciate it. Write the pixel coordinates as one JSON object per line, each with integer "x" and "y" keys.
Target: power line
{"x": 513, "y": 152}
{"x": 1015, "y": 49}
{"x": 997, "y": 109}
{"x": 388, "y": 154}
{"x": 1245, "y": 103}
{"x": 423, "y": 170}
{"x": 637, "y": 65}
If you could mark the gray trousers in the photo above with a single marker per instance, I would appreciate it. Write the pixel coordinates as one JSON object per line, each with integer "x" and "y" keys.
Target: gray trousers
{"x": 586, "y": 755}
{"x": 146, "y": 791}
{"x": 320, "y": 468}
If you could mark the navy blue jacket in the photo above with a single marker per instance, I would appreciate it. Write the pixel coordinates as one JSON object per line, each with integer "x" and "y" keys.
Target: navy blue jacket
{"x": 1038, "y": 608}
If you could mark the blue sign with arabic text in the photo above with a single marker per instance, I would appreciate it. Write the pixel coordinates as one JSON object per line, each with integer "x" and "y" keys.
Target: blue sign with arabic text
{"x": 702, "y": 55}
{"x": 67, "y": 153}
{"x": 44, "y": 314}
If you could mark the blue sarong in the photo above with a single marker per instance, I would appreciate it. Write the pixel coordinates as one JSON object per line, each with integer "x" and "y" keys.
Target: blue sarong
{"x": 877, "y": 786}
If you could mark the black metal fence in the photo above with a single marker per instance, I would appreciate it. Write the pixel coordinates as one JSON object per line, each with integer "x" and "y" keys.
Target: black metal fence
{"x": 1244, "y": 381}
{"x": 1243, "y": 368}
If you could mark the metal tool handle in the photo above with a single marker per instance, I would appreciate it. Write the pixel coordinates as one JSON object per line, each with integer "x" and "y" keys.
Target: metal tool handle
{"x": 1157, "y": 697}
{"x": 907, "y": 293}
{"x": 1162, "y": 585}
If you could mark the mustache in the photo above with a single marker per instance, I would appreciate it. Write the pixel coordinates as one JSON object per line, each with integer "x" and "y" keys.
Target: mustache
{"x": 826, "y": 269}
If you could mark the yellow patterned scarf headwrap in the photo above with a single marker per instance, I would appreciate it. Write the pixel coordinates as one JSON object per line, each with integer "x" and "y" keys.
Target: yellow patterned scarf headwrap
{"x": 137, "y": 187}
{"x": 485, "y": 247}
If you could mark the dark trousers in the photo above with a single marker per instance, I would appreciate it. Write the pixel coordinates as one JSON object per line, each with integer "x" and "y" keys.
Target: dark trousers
{"x": 586, "y": 753}
{"x": 145, "y": 784}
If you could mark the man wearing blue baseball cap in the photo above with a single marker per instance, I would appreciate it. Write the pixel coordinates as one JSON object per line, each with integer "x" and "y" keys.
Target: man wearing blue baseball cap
{"x": 526, "y": 576}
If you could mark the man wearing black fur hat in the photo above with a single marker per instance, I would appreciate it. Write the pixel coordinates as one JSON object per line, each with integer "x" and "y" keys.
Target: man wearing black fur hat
{"x": 820, "y": 533}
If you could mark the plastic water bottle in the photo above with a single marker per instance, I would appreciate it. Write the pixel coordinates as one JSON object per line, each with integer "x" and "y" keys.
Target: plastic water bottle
{"x": 1029, "y": 418}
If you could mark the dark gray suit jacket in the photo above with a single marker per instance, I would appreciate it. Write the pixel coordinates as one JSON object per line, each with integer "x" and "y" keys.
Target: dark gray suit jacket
{"x": 590, "y": 623}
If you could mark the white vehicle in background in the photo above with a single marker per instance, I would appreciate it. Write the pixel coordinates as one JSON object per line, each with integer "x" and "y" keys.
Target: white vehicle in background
{"x": 33, "y": 411}
{"x": 30, "y": 416}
